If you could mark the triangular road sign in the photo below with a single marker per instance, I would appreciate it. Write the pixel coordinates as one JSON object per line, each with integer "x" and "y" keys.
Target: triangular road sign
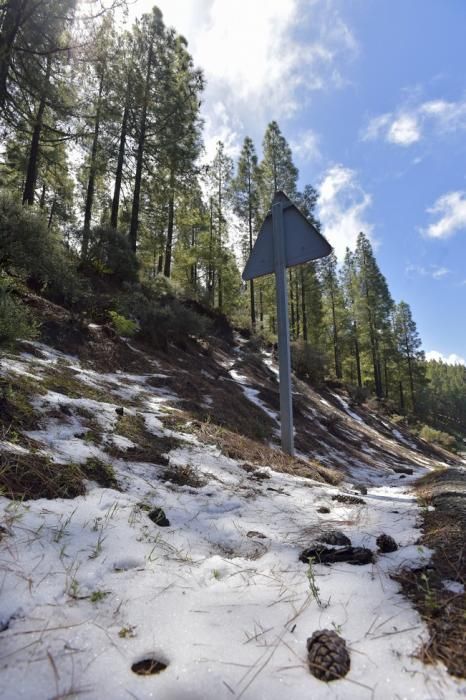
{"x": 302, "y": 241}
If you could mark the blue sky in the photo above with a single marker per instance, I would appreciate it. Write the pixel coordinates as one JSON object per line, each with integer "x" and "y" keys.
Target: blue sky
{"x": 371, "y": 94}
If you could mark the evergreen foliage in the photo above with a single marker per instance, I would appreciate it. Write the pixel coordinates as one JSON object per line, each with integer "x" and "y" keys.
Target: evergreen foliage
{"x": 104, "y": 186}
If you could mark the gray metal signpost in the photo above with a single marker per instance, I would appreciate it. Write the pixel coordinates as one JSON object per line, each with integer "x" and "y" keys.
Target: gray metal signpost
{"x": 285, "y": 239}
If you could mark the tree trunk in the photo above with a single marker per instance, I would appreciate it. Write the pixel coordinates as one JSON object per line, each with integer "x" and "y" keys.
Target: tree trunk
{"x": 251, "y": 283}
{"x": 121, "y": 158}
{"x": 292, "y": 314}
{"x": 193, "y": 266}
{"x": 52, "y": 212}
{"x": 210, "y": 270}
{"x": 171, "y": 219}
{"x": 336, "y": 346}
{"x": 92, "y": 170}
{"x": 298, "y": 320}
{"x": 411, "y": 379}
{"x": 261, "y": 309}
{"x": 134, "y": 225}
{"x": 402, "y": 400}
{"x": 303, "y": 306}
{"x": 357, "y": 353}
{"x": 31, "y": 175}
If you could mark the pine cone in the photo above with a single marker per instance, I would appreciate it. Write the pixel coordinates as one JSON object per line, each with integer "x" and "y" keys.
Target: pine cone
{"x": 386, "y": 543}
{"x": 327, "y": 655}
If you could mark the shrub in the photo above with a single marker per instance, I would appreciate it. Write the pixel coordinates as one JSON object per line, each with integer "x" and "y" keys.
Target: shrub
{"x": 358, "y": 394}
{"x": 308, "y": 363}
{"x": 122, "y": 325}
{"x": 171, "y": 322}
{"x": 15, "y": 320}
{"x": 24, "y": 239}
{"x": 29, "y": 248}
{"x": 437, "y": 437}
{"x": 161, "y": 317}
{"x": 110, "y": 255}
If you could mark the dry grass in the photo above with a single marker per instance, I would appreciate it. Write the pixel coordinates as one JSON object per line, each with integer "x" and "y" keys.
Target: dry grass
{"x": 16, "y": 410}
{"x": 444, "y": 530}
{"x": 31, "y": 475}
{"x": 183, "y": 476}
{"x": 27, "y": 476}
{"x": 101, "y": 472}
{"x": 253, "y": 452}
{"x": 148, "y": 447}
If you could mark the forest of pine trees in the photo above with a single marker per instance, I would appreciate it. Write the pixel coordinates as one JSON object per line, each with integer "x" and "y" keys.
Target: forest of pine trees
{"x": 101, "y": 135}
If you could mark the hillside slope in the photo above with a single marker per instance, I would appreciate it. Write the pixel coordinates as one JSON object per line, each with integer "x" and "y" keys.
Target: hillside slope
{"x": 148, "y": 515}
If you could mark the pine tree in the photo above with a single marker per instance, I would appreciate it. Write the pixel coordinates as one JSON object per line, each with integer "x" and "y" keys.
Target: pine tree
{"x": 220, "y": 178}
{"x": 149, "y": 40}
{"x": 246, "y": 202}
{"x": 350, "y": 295}
{"x": 278, "y": 171}
{"x": 408, "y": 346}
{"x": 373, "y": 306}
{"x": 334, "y": 310}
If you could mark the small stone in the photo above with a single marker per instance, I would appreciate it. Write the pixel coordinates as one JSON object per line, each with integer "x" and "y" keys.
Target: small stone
{"x": 327, "y": 655}
{"x": 119, "y": 410}
{"x": 255, "y": 535}
{"x": 323, "y": 509}
{"x": 157, "y": 515}
{"x": 335, "y": 537}
{"x": 403, "y": 470}
{"x": 357, "y": 556}
{"x": 386, "y": 543}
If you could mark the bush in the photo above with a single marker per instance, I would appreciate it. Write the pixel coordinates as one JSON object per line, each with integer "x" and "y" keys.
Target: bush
{"x": 122, "y": 325}
{"x": 358, "y": 394}
{"x": 161, "y": 317}
{"x": 30, "y": 249}
{"x": 110, "y": 255}
{"x": 308, "y": 363}
{"x": 171, "y": 322}
{"x": 15, "y": 320}
{"x": 437, "y": 437}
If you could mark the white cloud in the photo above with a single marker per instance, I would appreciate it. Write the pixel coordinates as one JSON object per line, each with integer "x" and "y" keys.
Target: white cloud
{"x": 254, "y": 62}
{"x": 404, "y": 131}
{"x": 305, "y": 146}
{"x": 440, "y": 272}
{"x": 407, "y": 125}
{"x": 451, "y": 208}
{"x": 433, "y": 271}
{"x": 342, "y": 208}
{"x": 376, "y": 127}
{"x": 452, "y": 359}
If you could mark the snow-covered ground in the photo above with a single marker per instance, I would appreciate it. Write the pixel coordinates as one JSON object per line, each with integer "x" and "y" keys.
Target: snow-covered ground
{"x": 91, "y": 585}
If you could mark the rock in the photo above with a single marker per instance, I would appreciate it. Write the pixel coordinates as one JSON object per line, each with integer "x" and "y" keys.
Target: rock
{"x": 403, "y": 470}
{"x": 362, "y": 490}
{"x": 327, "y": 655}
{"x": 256, "y": 535}
{"x": 345, "y": 498}
{"x": 323, "y": 509}
{"x": 148, "y": 667}
{"x": 335, "y": 537}
{"x": 324, "y": 555}
{"x": 119, "y": 410}
{"x": 386, "y": 543}
{"x": 157, "y": 515}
